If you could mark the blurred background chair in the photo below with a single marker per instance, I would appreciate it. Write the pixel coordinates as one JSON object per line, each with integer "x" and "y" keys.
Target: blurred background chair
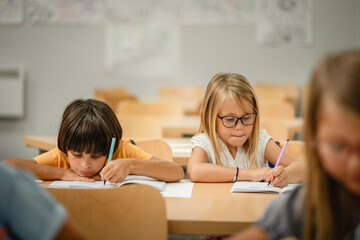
{"x": 276, "y": 109}
{"x": 112, "y": 96}
{"x": 288, "y": 92}
{"x": 275, "y": 127}
{"x": 163, "y": 110}
{"x": 156, "y": 147}
{"x": 190, "y": 97}
{"x": 140, "y": 126}
{"x": 129, "y": 212}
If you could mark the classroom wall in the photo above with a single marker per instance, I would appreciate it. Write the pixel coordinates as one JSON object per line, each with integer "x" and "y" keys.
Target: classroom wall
{"x": 63, "y": 63}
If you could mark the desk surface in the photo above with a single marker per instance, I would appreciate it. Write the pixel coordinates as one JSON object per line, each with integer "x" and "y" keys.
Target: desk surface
{"x": 179, "y": 146}
{"x": 213, "y": 209}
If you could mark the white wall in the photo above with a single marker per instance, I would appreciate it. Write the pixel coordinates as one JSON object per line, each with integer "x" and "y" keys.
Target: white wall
{"x": 63, "y": 63}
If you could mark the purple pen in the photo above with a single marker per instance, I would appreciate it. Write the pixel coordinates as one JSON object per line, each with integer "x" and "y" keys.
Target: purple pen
{"x": 280, "y": 156}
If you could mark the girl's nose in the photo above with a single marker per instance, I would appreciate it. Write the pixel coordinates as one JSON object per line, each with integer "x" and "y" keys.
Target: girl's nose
{"x": 239, "y": 125}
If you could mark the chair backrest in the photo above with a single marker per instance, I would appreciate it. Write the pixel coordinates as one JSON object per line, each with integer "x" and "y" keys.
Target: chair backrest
{"x": 156, "y": 147}
{"x": 112, "y": 96}
{"x": 304, "y": 97}
{"x": 169, "y": 110}
{"x": 275, "y": 127}
{"x": 129, "y": 212}
{"x": 189, "y": 96}
{"x": 276, "y": 109}
{"x": 140, "y": 126}
{"x": 283, "y": 92}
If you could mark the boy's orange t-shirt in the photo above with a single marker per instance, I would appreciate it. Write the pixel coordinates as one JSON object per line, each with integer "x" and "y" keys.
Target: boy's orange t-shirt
{"x": 57, "y": 158}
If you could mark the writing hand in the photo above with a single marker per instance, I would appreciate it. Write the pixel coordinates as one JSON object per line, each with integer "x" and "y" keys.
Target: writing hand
{"x": 116, "y": 171}
{"x": 259, "y": 174}
{"x": 278, "y": 176}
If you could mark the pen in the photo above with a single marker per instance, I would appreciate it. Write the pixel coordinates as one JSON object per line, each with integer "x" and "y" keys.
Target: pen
{"x": 280, "y": 156}
{"x": 110, "y": 152}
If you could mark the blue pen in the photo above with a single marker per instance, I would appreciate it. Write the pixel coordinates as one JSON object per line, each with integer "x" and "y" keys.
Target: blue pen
{"x": 280, "y": 156}
{"x": 111, "y": 152}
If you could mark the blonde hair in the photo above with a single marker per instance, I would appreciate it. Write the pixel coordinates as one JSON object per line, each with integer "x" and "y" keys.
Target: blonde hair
{"x": 331, "y": 211}
{"x": 221, "y": 87}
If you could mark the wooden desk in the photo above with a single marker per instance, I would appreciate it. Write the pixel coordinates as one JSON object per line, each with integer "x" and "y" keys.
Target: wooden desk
{"x": 213, "y": 209}
{"x": 180, "y": 154}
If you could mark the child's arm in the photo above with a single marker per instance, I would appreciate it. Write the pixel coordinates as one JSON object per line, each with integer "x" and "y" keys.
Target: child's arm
{"x": 199, "y": 170}
{"x": 47, "y": 172}
{"x": 289, "y": 170}
{"x": 253, "y": 232}
{"x": 117, "y": 170}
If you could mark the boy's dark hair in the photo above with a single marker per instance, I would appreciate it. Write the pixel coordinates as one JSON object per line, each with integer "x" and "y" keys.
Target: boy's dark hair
{"x": 88, "y": 126}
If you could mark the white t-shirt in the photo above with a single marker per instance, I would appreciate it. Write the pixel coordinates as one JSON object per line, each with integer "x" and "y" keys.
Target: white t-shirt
{"x": 241, "y": 160}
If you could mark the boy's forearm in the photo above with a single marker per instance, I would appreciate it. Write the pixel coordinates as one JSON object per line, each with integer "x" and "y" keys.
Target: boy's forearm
{"x": 157, "y": 168}
{"x": 41, "y": 171}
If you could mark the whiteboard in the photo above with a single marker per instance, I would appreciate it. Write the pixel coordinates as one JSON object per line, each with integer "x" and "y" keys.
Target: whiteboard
{"x": 11, "y": 91}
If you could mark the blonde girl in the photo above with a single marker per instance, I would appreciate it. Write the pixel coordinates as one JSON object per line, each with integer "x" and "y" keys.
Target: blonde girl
{"x": 230, "y": 146}
{"x": 329, "y": 206}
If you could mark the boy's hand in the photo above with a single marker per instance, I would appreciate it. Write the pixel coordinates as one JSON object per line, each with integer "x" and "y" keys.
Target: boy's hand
{"x": 259, "y": 174}
{"x": 70, "y": 175}
{"x": 116, "y": 171}
{"x": 278, "y": 176}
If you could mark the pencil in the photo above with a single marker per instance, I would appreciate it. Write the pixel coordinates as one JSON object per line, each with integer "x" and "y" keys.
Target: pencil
{"x": 111, "y": 152}
{"x": 280, "y": 156}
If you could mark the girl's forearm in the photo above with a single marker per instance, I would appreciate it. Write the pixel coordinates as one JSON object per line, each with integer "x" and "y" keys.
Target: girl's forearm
{"x": 206, "y": 172}
{"x": 296, "y": 171}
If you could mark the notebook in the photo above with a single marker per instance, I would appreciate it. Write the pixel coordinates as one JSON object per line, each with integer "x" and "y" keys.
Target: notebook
{"x": 160, "y": 185}
{"x": 262, "y": 187}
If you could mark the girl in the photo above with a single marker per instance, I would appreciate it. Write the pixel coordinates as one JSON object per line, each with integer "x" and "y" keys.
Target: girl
{"x": 85, "y": 134}
{"x": 329, "y": 207}
{"x": 231, "y": 147}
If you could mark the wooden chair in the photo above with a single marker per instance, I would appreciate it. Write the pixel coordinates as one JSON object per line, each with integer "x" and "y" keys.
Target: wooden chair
{"x": 156, "y": 147}
{"x": 129, "y": 212}
{"x": 276, "y": 109}
{"x": 304, "y": 97}
{"x": 140, "y": 126}
{"x": 163, "y": 110}
{"x": 288, "y": 92}
{"x": 275, "y": 127}
{"x": 189, "y": 96}
{"x": 112, "y": 96}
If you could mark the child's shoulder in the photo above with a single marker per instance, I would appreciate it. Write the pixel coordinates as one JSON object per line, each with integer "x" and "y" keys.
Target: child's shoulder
{"x": 264, "y": 137}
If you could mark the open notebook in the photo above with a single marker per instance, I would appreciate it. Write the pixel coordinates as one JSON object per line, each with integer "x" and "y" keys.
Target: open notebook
{"x": 100, "y": 184}
{"x": 245, "y": 186}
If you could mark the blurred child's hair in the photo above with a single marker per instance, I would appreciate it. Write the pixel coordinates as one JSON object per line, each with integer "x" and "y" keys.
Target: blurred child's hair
{"x": 88, "y": 126}
{"x": 238, "y": 88}
{"x": 329, "y": 206}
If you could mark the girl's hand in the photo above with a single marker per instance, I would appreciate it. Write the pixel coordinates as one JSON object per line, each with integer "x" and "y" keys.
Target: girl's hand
{"x": 116, "y": 170}
{"x": 278, "y": 176}
{"x": 70, "y": 175}
{"x": 259, "y": 174}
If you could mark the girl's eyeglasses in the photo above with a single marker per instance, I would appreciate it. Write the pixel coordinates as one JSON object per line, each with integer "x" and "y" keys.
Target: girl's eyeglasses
{"x": 231, "y": 121}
